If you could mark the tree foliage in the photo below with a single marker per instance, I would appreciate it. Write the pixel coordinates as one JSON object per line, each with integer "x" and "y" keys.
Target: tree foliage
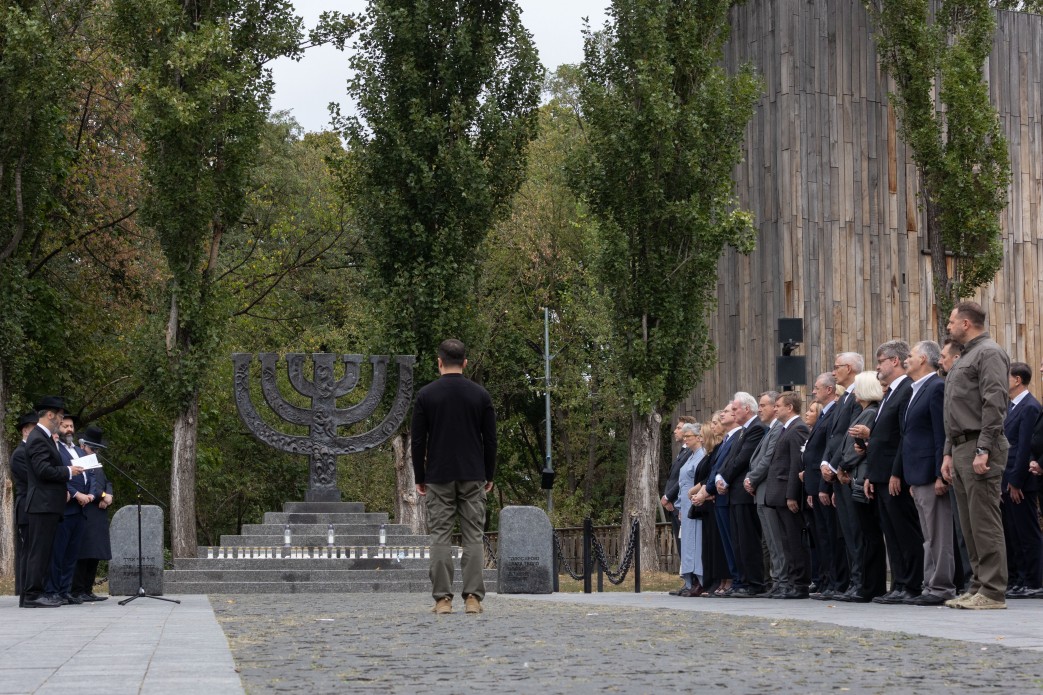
{"x": 665, "y": 125}
{"x": 936, "y": 58}
{"x": 447, "y": 94}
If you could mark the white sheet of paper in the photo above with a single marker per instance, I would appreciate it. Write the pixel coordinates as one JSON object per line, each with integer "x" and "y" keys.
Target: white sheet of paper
{"x": 87, "y": 462}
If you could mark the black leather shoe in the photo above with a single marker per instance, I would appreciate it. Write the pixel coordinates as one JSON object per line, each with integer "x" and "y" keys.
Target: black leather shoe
{"x": 795, "y": 594}
{"x": 43, "y": 601}
{"x": 95, "y": 597}
{"x": 891, "y": 597}
{"x": 826, "y": 595}
{"x": 71, "y": 600}
{"x": 925, "y": 600}
{"x": 1019, "y": 592}
{"x": 1034, "y": 593}
{"x": 745, "y": 592}
{"x": 677, "y": 592}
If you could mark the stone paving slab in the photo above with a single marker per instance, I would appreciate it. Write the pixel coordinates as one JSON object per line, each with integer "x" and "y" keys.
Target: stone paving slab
{"x": 626, "y": 643}
{"x": 146, "y": 647}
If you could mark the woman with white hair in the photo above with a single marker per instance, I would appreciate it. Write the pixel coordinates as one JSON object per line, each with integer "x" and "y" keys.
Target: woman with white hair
{"x": 691, "y": 528}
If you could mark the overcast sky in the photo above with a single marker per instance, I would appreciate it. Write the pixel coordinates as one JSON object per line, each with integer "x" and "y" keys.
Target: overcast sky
{"x": 305, "y": 88}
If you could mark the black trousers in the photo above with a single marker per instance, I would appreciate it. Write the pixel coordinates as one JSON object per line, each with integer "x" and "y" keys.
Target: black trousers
{"x": 40, "y": 532}
{"x": 901, "y": 526}
{"x": 874, "y": 558}
{"x": 83, "y": 578}
{"x": 832, "y": 559}
{"x": 797, "y": 563}
{"x": 853, "y": 544}
{"x": 746, "y": 539}
{"x": 1024, "y": 540}
{"x": 19, "y": 559}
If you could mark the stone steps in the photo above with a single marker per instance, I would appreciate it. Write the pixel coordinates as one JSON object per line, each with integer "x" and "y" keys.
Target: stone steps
{"x": 315, "y": 540}
{"x": 355, "y": 532}
{"x": 283, "y": 587}
{"x": 321, "y": 527}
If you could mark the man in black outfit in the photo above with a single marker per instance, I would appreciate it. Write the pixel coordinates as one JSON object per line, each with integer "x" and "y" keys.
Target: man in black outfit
{"x": 20, "y": 479}
{"x": 45, "y": 501}
{"x": 454, "y": 459}
{"x": 96, "y": 545}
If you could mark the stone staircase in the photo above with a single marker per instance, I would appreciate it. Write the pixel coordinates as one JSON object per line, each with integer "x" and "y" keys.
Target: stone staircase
{"x": 253, "y": 562}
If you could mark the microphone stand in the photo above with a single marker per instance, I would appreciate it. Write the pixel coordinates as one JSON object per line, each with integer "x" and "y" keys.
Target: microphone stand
{"x": 141, "y": 567}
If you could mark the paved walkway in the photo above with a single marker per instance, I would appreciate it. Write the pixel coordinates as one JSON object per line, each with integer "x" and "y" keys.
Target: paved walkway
{"x": 560, "y": 643}
{"x": 147, "y": 646}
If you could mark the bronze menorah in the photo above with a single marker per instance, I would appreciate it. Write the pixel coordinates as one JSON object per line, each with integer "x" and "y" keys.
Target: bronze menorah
{"x": 322, "y": 443}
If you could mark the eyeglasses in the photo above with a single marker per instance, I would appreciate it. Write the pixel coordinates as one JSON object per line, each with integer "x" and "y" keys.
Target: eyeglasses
{"x": 838, "y": 366}
{"x": 885, "y": 359}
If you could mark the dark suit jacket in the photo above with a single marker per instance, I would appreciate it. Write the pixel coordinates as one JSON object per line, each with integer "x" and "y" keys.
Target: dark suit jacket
{"x": 46, "y": 473}
{"x": 786, "y": 463}
{"x": 815, "y": 451}
{"x": 886, "y": 437}
{"x": 923, "y": 434}
{"x": 1018, "y": 427}
{"x": 80, "y": 483}
{"x": 672, "y": 488}
{"x": 734, "y": 470}
{"x": 20, "y": 479}
{"x": 847, "y": 409}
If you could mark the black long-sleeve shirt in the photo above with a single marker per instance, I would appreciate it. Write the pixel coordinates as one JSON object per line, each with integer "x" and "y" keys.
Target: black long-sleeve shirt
{"x": 454, "y": 432}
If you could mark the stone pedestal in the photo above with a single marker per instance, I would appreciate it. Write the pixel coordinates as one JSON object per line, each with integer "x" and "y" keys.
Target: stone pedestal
{"x": 123, "y": 567}
{"x": 526, "y": 551}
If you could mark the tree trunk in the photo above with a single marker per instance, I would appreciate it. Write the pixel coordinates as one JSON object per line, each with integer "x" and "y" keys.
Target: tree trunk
{"x": 409, "y": 506}
{"x": 7, "y": 525}
{"x": 943, "y": 299}
{"x": 642, "y": 494}
{"x": 183, "y": 540}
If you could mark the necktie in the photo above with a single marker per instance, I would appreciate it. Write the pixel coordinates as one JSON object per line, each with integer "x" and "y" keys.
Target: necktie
{"x": 887, "y": 392}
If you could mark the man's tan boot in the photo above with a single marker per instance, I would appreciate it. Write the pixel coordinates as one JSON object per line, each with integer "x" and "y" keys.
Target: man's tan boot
{"x": 981, "y": 602}
{"x": 472, "y": 604}
{"x": 443, "y": 606}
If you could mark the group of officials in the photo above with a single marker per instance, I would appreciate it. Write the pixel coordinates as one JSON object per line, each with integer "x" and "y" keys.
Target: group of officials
{"x": 929, "y": 466}
{"x": 62, "y": 529}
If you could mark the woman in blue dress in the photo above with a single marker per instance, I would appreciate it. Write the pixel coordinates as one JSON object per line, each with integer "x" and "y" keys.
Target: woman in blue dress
{"x": 691, "y": 529}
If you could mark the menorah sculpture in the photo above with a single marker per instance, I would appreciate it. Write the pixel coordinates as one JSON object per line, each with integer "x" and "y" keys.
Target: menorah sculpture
{"x": 322, "y": 444}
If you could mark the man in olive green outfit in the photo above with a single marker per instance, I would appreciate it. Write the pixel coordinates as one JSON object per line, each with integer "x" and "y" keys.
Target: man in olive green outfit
{"x": 454, "y": 459}
{"x": 976, "y": 398}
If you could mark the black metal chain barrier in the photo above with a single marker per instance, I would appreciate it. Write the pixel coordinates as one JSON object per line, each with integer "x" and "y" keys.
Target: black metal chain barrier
{"x": 620, "y": 574}
{"x": 563, "y": 560}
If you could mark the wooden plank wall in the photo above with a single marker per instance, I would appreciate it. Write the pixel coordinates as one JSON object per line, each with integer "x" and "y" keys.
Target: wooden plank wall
{"x": 833, "y": 192}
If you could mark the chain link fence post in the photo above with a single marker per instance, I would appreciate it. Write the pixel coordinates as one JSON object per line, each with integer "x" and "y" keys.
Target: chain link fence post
{"x": 588, "y": 534}
{"x": 636, "y": 531}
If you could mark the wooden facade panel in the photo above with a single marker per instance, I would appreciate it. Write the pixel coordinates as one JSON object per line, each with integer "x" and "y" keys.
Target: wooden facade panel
{"x": 835, "y": 197}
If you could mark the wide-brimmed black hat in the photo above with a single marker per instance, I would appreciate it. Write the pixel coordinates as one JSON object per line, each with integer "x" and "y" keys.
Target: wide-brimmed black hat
{"x": 50, "y": 403}
{"x": 94, "y": 437}
{"x": 27, "y": 419}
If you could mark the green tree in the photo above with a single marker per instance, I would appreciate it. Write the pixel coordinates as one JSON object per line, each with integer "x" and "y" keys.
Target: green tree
{"x": 447, "y": 95}
{"x": 935, "y": 55}
{"x": 39, "y": 42}
{"x": 665, "y": 126}
{"x": 202, "y": 96}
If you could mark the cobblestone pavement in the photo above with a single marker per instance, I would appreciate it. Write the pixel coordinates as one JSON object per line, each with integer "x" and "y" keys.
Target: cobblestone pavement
{"x": 392, "y": 643}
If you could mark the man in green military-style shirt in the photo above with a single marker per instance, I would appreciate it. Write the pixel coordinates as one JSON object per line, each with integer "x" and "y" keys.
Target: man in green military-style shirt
{"x": 976, "y": 398}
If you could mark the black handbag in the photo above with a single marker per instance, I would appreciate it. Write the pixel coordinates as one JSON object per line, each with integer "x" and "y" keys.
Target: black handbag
{"x": 697, "y": 511}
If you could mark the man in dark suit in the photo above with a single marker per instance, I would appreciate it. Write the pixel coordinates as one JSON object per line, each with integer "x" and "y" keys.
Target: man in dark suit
{"x": 83, "y": 491}
{"x": 45, "y": 501}
{"x": 849, "y": 548}
{"x": 95, "y": 545}
{"x": 894, "y": 505}
{"x": 742, "y": 512}
{"x": 1020, "y": 488}
{"x": 672, "y": 490}
{"x": 785, "y": 496}
{"x": 823, "y": 521}
{"x": 20, "y": 479}
{"x": 923, "y": 440}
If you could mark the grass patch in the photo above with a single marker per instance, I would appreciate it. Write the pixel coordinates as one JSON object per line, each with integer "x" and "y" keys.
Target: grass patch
{"x": 650, "y": 581}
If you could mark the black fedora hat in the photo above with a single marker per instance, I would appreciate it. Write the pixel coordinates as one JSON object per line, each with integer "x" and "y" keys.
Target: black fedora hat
{"x": 50, "y": 403}
{"x": 94, "y": 437}
{"x": 27, "y": 419}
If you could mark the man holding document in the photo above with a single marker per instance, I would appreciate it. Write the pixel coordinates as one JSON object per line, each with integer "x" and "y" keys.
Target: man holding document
{"x": 83, "y": 490}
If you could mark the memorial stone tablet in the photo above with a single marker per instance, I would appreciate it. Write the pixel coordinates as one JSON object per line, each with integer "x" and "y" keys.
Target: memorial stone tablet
{"x": 526, "y": 551}
{"x": 123, "y": 567}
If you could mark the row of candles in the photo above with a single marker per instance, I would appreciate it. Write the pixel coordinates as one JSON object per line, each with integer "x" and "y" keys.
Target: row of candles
{"x": 317, "y": 552}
